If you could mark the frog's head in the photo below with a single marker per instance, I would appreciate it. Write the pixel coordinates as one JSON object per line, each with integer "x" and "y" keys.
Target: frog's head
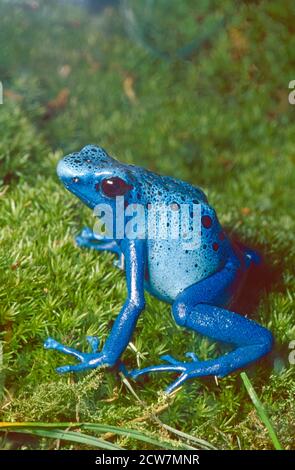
{"x": 93, "y": 176}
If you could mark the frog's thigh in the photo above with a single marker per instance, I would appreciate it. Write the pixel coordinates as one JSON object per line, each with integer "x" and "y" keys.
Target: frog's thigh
{"x": 199, "y": 308}
{"x": 214, "y": 290}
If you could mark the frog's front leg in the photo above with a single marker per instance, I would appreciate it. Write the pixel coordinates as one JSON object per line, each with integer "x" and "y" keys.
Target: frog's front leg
{"x": 197, "y": 308}
{"x": 88, "y": 239}
{"x": 124, "y": 325}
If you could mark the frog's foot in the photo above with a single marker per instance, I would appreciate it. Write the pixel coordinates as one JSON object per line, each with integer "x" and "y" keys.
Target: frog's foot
{"x": 187, "y": 370}
{"x": 87, "y": 360}
{"x": 120, "y": 262}
{"x": 87, "y": 238}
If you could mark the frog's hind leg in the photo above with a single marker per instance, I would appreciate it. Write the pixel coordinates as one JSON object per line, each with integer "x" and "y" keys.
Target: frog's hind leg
{"x": 88, "y": 239}
{"x": 197, "y": 308}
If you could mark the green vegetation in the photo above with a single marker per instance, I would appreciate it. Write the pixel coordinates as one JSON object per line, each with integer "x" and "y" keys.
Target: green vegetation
{"x": 218, "y": 117}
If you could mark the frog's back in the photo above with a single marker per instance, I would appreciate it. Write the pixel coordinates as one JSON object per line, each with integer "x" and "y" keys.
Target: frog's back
{"x": 154, "y": 188}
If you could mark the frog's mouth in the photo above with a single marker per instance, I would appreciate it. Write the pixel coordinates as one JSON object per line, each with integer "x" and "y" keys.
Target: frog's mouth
{"x": 74, "y": 190}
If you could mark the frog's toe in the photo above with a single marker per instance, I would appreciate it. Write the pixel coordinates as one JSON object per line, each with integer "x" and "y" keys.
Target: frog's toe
{"x": 193, "y": 356}
{"x": 87, "y": 360}
{"x": 172, "y": 366}
{"x": 120, "y": 262}
{"x": 169, "y": 359}
{"x": 177, "y": 383}
{"x": 83, "y": 242}
{"x": 85, "y": 238}
{"x": 186, "y": 369}
{"x": 87, "y": 233}
{"x": 93, "y": 342}
{"x": 74, "y": 368}
{"x": 51, "y": 343}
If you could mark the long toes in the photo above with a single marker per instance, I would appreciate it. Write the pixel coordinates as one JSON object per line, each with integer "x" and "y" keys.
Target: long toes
{"x": 51, "y": 343}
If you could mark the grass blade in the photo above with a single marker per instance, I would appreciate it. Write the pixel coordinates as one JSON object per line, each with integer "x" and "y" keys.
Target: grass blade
{"x": 70, "y": 436}
{"x": 37, "y": 427}
{"x": 261, "y": 411}
{"x": 196, "y": 440}
{"x": 132, "y": 434}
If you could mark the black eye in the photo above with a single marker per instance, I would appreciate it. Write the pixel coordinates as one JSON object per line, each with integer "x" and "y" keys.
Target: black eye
{"x": 113, "y": 187}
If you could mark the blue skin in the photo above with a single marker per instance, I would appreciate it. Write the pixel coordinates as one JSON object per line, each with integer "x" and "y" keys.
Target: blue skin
{"x": 200, "y": 284}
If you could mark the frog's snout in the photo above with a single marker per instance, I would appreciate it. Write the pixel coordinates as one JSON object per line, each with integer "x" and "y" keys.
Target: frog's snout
{"x": 60, "y": 169}
{"x": 66, "y": 171}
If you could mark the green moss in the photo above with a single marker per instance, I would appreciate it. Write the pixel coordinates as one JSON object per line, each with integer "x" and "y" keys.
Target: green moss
{"x": 220, "y": 119}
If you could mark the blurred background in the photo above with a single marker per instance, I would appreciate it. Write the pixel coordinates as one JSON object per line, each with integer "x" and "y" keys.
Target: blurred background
{"x": 193, "y": 89}
{"x": 161, "y": 80}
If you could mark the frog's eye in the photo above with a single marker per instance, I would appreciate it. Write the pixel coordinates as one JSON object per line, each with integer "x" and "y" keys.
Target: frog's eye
{"x": 115, "y": 186}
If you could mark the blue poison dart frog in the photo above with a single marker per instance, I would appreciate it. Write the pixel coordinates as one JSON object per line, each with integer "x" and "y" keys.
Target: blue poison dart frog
{"x": 199, "y": 281}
